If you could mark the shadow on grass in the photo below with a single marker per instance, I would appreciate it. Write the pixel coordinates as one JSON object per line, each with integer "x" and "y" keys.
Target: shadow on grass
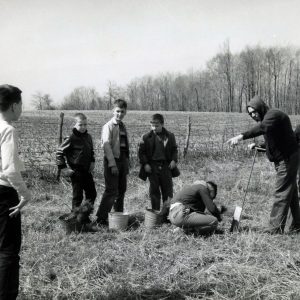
{"x": 201, "y": 291}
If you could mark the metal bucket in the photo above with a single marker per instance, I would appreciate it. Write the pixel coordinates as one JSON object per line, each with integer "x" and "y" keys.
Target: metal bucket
{"x": 118, "y": 220}
{"x": 152, "y": 218}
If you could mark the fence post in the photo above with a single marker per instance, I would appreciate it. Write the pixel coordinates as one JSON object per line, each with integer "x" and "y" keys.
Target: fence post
{"x": 187, "y": 139}
{"x": 61, "y": 123}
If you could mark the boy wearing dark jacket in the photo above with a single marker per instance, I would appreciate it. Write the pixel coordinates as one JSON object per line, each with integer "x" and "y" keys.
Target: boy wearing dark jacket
{"x": 158, "y": 157}
{"x": 281, "y": 149}
{"x": 76, "y": 153}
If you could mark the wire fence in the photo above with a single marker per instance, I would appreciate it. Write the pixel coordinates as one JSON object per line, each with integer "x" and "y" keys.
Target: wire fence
{"x": 39, "y": 134}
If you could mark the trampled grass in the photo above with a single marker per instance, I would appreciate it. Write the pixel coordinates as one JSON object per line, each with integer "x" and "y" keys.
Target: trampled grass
{"x": 161, "y": 263}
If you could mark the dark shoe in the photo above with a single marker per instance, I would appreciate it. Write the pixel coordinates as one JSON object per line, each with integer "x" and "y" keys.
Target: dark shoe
{"x": 219, "y": 231}
{"x": 90, "y": 228}
{"x": 101, "y": 222}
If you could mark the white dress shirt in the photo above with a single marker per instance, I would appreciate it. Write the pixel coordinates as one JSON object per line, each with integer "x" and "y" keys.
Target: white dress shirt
{"x": 10, "y": 164}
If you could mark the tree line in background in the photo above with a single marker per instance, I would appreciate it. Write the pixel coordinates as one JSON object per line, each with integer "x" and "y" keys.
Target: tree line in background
{"x": 227, "y": 83}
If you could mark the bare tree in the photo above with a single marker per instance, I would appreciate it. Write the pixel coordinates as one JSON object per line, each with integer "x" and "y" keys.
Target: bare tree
{"x": 81, "y": 98}
{"x": 42, "y": 101}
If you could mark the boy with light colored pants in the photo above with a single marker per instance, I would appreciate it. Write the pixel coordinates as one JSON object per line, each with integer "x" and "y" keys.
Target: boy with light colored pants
{"x": 187, "y": 209}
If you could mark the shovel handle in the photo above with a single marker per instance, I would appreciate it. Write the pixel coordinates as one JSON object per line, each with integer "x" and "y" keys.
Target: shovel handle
{"x": 260, "y": 149}
{"x": 255, "y": 152}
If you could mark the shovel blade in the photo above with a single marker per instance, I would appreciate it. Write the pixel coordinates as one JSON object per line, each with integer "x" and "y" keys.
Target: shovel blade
{"x": 236, "y": 219}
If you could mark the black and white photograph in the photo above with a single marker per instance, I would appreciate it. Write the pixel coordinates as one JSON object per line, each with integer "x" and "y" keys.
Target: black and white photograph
{"x": 149, "y": 149}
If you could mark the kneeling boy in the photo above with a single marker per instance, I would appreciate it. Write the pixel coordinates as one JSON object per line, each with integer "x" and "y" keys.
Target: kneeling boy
{"x": 187, "y": 209}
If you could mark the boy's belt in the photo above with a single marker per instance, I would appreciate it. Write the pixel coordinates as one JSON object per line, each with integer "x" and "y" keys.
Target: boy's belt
{"x": 175, "y": 205}
{"x": 159, "y": 163}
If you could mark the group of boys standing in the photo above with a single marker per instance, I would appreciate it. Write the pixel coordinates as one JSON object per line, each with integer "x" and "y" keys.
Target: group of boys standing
{"x": 157, "y": 153}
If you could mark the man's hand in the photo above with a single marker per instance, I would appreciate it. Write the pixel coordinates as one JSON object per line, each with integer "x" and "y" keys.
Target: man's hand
{"x": 186, "y": 211}
{"x": 114, "y": 170}
{"x": 147, "y": 168}
{"x": 92, "y": 167}
{"x": 172, "y": 165}
{"x": 16, "y": 209}
{"x": 235, "y": 140}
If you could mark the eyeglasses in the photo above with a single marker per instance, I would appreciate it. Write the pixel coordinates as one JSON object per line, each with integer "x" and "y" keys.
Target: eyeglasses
{"x": 252, "y": 113}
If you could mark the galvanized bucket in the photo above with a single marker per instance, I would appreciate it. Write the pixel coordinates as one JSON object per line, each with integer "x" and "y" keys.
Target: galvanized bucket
{"x": 152, "y": 218}
{"x": 118, "y": 220}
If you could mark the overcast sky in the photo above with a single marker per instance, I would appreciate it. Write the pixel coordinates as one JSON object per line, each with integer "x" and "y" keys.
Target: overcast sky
{"x": 53, "y": 46}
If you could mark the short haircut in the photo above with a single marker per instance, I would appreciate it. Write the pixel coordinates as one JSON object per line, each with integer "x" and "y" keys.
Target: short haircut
{"x": 158, "y": 117}
{"x": 121, "y": 103}
{"x": 214, "y": 185}
{"x": 8, "y": 96}
{"x": 80, "y": 116}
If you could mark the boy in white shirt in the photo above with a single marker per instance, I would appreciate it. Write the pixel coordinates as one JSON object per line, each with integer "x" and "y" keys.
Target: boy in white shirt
{"x": 13, "y": 192}
{"x": 114, "y": 140}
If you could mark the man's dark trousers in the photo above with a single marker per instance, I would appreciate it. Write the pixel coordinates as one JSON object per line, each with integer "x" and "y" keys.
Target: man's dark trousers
{"x": 286, "y": 194}
{"x": 161, "y": 184}
{"x": 82, "y": 181}
{"x": 10, "y": 244}
{"x": 115, "y": 188}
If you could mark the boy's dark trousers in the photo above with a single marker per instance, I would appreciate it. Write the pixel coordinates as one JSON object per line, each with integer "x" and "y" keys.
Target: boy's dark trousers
{"x": 161, "y": 183}
{"x": 10, "y": 244}
{"x": 115, "y": 188}
{"x": 82, "y": 181}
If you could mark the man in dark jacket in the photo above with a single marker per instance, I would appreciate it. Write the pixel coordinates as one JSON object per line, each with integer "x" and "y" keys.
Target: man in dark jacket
{"x": 282, "y": 149}
{"x": 297, "y": 133}
{"x": 158, "y": 157}
{"x": 79, "y": 153}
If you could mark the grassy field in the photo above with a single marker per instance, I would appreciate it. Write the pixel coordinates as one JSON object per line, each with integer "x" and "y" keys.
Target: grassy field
{"x": 162, "y": 263}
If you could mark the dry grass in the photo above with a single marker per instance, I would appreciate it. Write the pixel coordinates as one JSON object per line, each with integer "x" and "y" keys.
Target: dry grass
{"x": 161, "y": 263}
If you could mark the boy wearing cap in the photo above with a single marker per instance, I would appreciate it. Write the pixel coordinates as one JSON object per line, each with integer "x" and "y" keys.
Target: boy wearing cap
{"x": 158, "y": 158}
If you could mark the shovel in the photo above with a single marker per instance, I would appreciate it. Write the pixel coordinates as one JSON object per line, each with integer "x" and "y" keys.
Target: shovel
{"x": 238, "y": 209}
